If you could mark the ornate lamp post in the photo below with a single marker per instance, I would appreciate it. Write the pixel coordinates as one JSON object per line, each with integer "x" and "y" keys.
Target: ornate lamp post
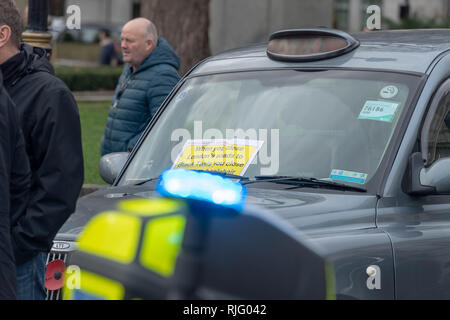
{"x": 36, "y": 32}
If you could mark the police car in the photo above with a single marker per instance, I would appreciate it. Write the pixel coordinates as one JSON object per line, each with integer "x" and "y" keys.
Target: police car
{"x": 341, "y": 144}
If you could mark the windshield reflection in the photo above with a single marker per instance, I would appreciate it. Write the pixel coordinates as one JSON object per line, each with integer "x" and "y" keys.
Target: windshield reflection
{"x": 332, "y": 125}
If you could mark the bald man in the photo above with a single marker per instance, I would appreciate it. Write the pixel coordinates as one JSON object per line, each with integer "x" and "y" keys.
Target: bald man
{"x": 150, "y": 73}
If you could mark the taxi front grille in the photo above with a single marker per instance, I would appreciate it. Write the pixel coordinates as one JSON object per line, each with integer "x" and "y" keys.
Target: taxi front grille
{"x": 56, "y": 294}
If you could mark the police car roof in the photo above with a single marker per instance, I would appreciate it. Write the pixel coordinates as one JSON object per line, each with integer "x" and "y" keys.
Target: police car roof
{"x": 398, "y": 50}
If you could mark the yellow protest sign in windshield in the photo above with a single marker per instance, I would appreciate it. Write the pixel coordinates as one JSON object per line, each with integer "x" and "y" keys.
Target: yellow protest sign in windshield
{"x": 229, "y": 156}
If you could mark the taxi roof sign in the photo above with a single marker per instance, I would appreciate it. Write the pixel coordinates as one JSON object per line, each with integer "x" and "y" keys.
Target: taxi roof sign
{"x": 301, "y": 45}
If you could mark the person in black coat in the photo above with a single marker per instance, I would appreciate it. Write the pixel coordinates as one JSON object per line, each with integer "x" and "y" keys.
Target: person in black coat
{"x": 50, "y": 123}
{"x": 15, "y": 177}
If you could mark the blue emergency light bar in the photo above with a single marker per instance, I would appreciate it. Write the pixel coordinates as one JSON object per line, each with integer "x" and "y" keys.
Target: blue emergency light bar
{"x": 213, "y": 188}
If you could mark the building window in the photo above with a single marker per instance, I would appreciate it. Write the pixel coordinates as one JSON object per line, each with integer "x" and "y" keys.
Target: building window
{"x": 341, "y": 14}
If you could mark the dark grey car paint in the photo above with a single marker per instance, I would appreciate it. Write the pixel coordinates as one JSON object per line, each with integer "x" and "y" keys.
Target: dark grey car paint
{"x": 407, "y": 237}
{"x": 419, "y": 226}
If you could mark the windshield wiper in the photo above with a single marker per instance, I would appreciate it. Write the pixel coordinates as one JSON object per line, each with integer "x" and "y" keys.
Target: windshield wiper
{"x": 226, "y": 175}
{"x": 222, "y": 174}
{"x": 145, "y": 181}
{"x": 305, "y": 182}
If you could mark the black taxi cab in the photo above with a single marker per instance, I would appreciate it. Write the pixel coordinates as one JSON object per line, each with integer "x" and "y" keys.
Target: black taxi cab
{"x": 341, "y": 146}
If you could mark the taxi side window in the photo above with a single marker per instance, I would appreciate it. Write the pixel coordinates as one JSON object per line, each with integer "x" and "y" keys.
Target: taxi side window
{"x": 443, "y": 141}
{"x": 437, "y": 126}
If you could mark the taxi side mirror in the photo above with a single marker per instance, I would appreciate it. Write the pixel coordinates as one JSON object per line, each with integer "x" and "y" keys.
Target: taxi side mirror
{"x": 437, "y": 176}
{"x": 414, "y": 183}
{"x": 431, "y": 180}
{"x": 111, "y": 164}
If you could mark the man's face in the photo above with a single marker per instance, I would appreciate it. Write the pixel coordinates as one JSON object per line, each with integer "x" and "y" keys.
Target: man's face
{"x": 101, "y": 35}
{"x": 136, "y": 46}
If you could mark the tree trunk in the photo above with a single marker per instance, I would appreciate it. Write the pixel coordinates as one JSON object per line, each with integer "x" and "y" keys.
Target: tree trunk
{"x": 185, "y": 24}
{"x": 57, "y": 8}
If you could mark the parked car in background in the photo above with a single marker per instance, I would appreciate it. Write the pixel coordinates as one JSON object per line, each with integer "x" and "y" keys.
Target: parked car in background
{"x": 344, "y": 138}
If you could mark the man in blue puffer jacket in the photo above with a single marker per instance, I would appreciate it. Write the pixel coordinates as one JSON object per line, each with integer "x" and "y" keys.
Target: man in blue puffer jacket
{"x": 150, "y": 73}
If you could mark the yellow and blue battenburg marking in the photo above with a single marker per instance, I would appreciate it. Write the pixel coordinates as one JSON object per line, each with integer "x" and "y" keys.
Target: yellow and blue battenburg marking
{"x": 96, "y": 287}
{"x": 142, "y": 237}
{"x": 113, "y": 235}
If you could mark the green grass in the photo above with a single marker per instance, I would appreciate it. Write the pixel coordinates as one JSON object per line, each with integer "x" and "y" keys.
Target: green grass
{"x": 93, "y": 119}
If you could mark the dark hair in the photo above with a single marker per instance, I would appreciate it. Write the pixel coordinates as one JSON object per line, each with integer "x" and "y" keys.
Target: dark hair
{"x": 10, "y": 16}
{"x": 106, "y": 32}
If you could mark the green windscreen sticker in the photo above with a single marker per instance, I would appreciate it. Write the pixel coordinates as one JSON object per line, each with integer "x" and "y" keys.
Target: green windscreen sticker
{"x": 350, "y": 176}
{"x": 378, "y": 110}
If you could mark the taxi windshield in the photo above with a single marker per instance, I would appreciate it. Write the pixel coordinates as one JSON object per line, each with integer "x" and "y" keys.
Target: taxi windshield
{"x": 331, "y": 125}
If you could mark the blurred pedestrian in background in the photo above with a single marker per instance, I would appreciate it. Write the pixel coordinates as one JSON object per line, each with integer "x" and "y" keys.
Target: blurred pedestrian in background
{"x": 108, "y": 56}
{"x": 150, "y": 73}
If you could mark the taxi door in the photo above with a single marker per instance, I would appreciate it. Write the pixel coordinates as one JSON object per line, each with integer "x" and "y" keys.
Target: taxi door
{"x": 417, "y": 219}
